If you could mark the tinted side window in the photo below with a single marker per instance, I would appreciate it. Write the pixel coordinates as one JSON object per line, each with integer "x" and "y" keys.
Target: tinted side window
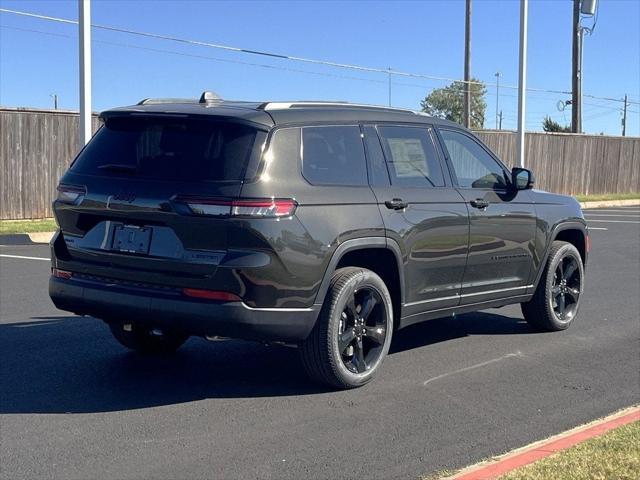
{"x": 473, "y": 166}
{"x": 378, "y": 174}
{"x": 333, "y": 156}
{"x": 411, "y": 156}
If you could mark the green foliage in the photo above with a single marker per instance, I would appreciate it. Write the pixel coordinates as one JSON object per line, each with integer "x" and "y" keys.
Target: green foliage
{"x": 448, "y": 102}
{"x": 550, "y": 125}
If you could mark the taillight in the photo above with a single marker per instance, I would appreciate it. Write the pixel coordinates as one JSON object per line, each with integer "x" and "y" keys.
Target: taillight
{"x": 587, "y": 242}
{"x": 71, "y": 194}
{"x": 261, "y": 208}
{"x": 63, "y": 274}
{"x": 264, "y": 208}
{"x": 211, "y": 295}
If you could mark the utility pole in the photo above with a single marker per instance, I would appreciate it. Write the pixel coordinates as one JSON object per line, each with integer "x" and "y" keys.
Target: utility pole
{"x": 55, "y": 100}
{"x": 522, "y": 80}
{"x": 389, "y": 86}
{"x": 497, "y": 96}
{"x": 576, "y": 73}
{"x": 84, "y": 26}
{"x": 466, "y": 116}
{"x": 624, "y": 117}
{"x": 500, "y": 124}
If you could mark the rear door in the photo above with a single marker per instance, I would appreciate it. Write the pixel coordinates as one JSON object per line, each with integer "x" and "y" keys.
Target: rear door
{"x": 422, "y": 212}
{"x": 502, "y": 220}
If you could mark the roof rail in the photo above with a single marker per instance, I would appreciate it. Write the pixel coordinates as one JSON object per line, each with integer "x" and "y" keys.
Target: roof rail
{"x": 206, "y": 97}
{"x": 270, "y": 106}
{"x": 160, "y": 101}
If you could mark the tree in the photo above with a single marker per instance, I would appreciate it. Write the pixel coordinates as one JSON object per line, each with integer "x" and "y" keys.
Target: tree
{"x": 448, "y": 102}
{"x": 550, "y": 125}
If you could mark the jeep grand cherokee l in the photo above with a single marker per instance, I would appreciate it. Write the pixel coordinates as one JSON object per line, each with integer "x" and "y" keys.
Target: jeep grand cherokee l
{"x": 325, "y": 225}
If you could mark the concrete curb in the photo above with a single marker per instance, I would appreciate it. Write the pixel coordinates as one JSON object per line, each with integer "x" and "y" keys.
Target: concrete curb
{"x": 496, "y": 467}
{"x": 610, "y": 203}
{"x": 26, "y": 238}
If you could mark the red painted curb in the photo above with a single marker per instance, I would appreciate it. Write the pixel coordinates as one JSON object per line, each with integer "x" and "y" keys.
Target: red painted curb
{"x": 517, "y": 460}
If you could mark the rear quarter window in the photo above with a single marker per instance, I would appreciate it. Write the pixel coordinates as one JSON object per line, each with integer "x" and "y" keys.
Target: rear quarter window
{"x": 174, "y": 149}
{"x": 333, "y": 155}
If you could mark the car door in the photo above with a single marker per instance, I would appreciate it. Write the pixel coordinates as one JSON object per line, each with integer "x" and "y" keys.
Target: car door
{"x": 421, "y": 211}
{"x": 502, "y": 220}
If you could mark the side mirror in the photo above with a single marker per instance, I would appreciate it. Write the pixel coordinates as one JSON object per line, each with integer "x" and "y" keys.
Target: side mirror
{"x": 522, "y": 179}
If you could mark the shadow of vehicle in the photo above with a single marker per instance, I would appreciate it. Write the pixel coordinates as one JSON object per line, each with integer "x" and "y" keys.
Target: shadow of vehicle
{"x": 71, "y": 364}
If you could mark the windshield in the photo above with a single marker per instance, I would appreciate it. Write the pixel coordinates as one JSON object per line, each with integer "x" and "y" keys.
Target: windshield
{"x": 176, "y": 149}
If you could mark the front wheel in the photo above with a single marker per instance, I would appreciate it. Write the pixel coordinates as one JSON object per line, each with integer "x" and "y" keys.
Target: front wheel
{"x": 147, "y": 339}
{"x": 353, "y": 331}
{"x": 556, "y": 300}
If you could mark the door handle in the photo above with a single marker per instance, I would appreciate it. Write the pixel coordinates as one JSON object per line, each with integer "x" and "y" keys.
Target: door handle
{"x": 479, "y": 203}
{"x": 396, "y": 204}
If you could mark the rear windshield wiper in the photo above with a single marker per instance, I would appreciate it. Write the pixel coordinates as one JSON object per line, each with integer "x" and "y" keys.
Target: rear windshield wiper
{"x": 119, "y": 167}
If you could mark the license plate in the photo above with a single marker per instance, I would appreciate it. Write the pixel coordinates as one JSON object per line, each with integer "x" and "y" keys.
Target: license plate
{"x": 131, "y": 239}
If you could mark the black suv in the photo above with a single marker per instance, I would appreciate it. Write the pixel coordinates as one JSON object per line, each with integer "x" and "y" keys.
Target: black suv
{"x": 324, "y": 225}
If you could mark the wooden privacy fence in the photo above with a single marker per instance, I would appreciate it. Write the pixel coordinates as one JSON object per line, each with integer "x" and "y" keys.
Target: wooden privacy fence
{"x": 574, "y": 164}
{"x": 36, "y": 147}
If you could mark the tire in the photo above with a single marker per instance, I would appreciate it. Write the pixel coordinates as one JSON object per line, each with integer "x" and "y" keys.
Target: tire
{"x": 147, "y": 340}
{"x": 353, "y": 332}
{"x": 555, "y": 303}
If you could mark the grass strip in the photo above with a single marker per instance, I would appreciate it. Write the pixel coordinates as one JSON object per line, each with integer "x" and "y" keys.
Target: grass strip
{"x": 27, "y": 226}
{"x": 615, "y": 454}
{"x": 608, "y": 196}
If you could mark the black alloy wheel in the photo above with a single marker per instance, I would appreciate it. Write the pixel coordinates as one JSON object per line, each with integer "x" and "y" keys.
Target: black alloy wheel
{"x": 566, "y": 288}
{"x": 353, "y": 332}
{"x": 554, "y": 305}
{"x": 362, "y": 330}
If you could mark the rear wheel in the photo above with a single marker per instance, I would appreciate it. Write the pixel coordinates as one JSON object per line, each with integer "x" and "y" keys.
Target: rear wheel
{"x": 147, "y": 339}
{"x": 556, "y": 300}
{"x": 353, "y": 332}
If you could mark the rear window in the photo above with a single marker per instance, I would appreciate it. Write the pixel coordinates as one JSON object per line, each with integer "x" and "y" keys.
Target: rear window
{"x": 176, "y": 149}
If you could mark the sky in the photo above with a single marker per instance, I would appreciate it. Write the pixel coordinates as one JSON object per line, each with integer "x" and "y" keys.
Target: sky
{"x": 39, "y": 58}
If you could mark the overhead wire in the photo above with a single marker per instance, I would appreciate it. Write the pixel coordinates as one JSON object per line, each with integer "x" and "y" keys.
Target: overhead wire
{"x": 386, "y": 71}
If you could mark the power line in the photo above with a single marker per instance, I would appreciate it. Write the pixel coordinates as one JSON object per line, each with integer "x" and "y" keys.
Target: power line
{"x": 386, "y": 71}
{"x": 508, "y": 114}
{"x": 205, "y": 57}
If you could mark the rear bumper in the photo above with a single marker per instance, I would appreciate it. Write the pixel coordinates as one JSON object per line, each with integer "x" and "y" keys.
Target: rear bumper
{"x": 113, "y": 303}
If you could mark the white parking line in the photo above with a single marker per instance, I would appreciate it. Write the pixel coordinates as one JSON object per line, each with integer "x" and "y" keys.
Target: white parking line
{"x": 24, "y": 257}
{"x": 609, "y": 215}
{"x": 613, "y": 221}
{"x": 473, "y": 367}
{"x": 606, "y": 211}
{"x": 598, "y": 228}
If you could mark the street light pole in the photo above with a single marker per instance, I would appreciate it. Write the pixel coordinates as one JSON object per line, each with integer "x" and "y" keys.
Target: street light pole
{"x": 84, "y": 25}
{"x": 467, "y": 67}
{"x": 522, "y": 81}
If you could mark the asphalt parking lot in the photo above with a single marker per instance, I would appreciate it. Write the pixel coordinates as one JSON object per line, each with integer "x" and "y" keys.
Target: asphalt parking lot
{"x": 74, "y": 404}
